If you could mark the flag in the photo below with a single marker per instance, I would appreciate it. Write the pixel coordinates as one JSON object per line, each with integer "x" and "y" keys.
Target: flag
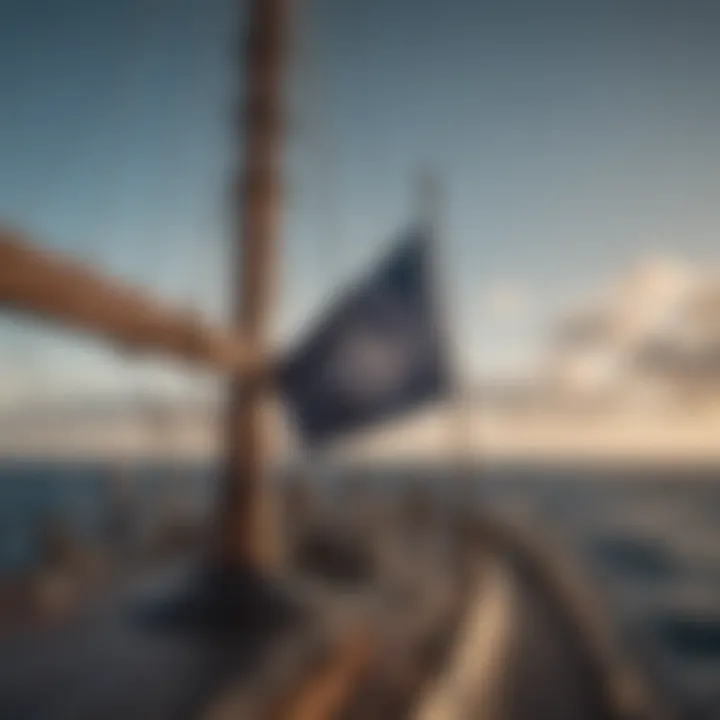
{"x": 378, "y": 351}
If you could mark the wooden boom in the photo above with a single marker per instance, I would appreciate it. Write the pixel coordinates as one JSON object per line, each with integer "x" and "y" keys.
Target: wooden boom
{"x": 51, "y": 286}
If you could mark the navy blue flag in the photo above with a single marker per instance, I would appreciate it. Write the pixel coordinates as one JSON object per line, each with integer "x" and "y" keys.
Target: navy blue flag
{"x": 377, "y": 352}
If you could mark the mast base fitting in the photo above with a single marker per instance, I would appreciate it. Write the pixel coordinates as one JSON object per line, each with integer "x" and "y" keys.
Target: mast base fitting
{"x": 224, "y": 600}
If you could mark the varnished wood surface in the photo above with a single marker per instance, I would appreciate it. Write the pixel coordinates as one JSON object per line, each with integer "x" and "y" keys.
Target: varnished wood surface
{"x": 60, "y": 289}
{"x": 111, "y": 664}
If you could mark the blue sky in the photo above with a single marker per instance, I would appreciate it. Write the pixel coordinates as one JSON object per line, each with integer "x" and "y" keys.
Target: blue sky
{"x": 571, "y": 140}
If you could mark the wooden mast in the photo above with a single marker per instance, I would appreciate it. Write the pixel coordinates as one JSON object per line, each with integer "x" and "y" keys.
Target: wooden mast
{"x": 244, "y": 536}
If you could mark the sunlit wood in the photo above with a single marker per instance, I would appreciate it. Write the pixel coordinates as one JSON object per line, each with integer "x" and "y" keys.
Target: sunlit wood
{"x": 53, "y": 287}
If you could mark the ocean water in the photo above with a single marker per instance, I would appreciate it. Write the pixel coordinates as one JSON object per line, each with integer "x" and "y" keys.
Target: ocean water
{"x": 81, "y": 498}
{"x": 646, "y": 541}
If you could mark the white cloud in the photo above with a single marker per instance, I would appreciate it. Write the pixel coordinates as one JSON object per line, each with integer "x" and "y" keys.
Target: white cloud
{"x": 505, "y": 300}
{"x": 16, "y": 381}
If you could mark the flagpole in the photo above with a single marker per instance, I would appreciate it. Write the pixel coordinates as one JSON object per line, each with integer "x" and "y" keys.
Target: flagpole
{"x": 428, "y": 199}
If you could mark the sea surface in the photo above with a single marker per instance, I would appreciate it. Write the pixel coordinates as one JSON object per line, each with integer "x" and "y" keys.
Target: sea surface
{"x": 646, "y": 541}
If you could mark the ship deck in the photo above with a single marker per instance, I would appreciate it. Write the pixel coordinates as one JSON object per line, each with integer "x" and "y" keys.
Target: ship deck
{"x": 124, "y": 655}
{"x": 448, "y": 624}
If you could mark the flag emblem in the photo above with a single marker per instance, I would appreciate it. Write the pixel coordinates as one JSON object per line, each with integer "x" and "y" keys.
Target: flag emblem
{"x": 376, "y": 353}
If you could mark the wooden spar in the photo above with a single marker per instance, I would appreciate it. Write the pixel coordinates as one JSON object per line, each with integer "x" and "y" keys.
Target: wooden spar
{"x": 244, "y": 538}
{"x": 53, "y": 287}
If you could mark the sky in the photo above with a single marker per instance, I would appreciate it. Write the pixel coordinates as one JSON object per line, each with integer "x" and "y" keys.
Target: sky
{"x": 571, "y": 140}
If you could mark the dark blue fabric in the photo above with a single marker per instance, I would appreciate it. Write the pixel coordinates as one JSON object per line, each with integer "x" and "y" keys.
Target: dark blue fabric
{"x": 376, "y": 353}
